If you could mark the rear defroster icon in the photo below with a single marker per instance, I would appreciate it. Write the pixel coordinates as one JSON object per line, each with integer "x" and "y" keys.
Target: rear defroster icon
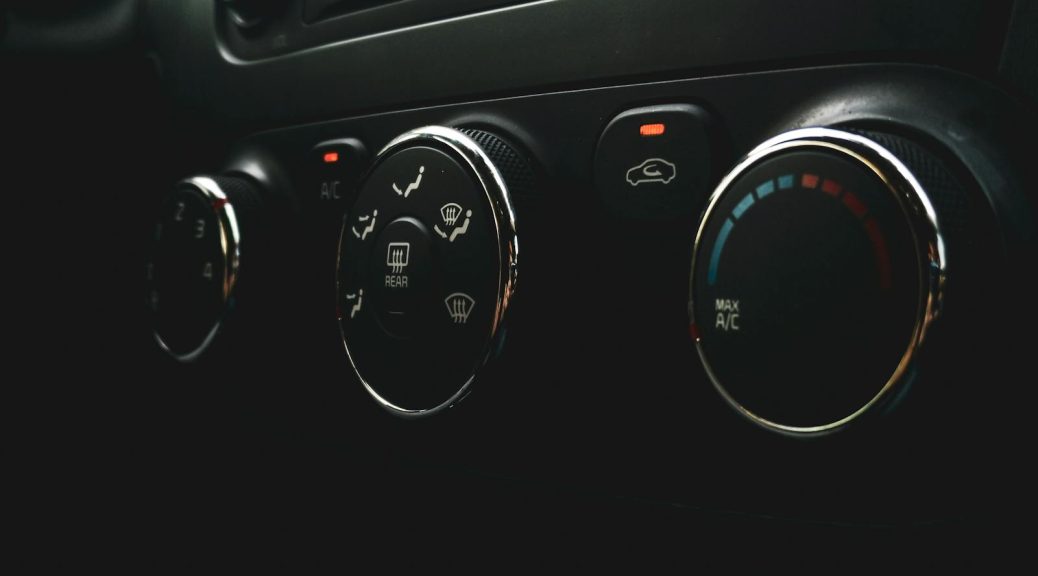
{"x": 397, "y": 256}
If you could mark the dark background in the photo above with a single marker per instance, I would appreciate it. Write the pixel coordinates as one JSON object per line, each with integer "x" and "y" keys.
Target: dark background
{"x": 268, "y": 454}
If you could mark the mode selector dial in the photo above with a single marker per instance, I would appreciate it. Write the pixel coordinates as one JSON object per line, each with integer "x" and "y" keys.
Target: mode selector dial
{"x": 427, "y": 265}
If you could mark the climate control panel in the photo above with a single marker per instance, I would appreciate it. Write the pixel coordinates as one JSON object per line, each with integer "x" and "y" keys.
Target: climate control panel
{"x": 738, "y": 257}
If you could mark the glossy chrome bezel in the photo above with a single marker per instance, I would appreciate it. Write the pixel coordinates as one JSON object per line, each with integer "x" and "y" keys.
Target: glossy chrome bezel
{"x": 464, "y": 148}
{"x": 230, "y": 251}
{"x": 923, "y": 223}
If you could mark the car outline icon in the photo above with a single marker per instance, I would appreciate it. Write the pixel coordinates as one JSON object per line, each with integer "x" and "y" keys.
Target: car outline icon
{"x": 649, "y": 171}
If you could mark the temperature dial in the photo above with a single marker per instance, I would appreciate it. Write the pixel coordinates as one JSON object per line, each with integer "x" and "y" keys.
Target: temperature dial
{"x": 818, "y": 270}
{"x": 193, "y": 271}
{"x": 427, "y": 266}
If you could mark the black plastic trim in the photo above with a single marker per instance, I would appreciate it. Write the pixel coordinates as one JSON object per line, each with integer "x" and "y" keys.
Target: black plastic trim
{"x": 554, "y": 43}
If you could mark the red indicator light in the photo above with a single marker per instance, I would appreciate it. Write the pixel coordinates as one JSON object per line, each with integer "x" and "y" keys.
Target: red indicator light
{"x": 854, "y": 203}
{"x": 652, "y": 129}
{"x": 693, "y": 330}
{"x": 809, "y": 181}
{"x": 879, "y": 245}
{"x": 331, "y": 157}
{"x": 831, "y": 187}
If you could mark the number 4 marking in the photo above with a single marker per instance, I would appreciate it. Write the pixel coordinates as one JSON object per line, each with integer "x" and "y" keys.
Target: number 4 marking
{"x": 207, "y": 271}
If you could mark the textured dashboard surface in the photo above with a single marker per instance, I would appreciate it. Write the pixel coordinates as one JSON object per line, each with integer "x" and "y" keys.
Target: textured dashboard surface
{"x": 553, "y": 43}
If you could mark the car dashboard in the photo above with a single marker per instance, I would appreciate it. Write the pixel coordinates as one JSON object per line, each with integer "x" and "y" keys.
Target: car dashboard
{"x": 492, "y": 284}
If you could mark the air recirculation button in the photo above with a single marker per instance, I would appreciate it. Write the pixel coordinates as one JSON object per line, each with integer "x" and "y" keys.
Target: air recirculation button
{"x": 427, "y": 265}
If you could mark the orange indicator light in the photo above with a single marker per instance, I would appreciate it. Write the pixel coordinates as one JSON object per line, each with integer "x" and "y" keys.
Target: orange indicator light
{"x": 652, "y": 129}
{"x": 331, "y": 157}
